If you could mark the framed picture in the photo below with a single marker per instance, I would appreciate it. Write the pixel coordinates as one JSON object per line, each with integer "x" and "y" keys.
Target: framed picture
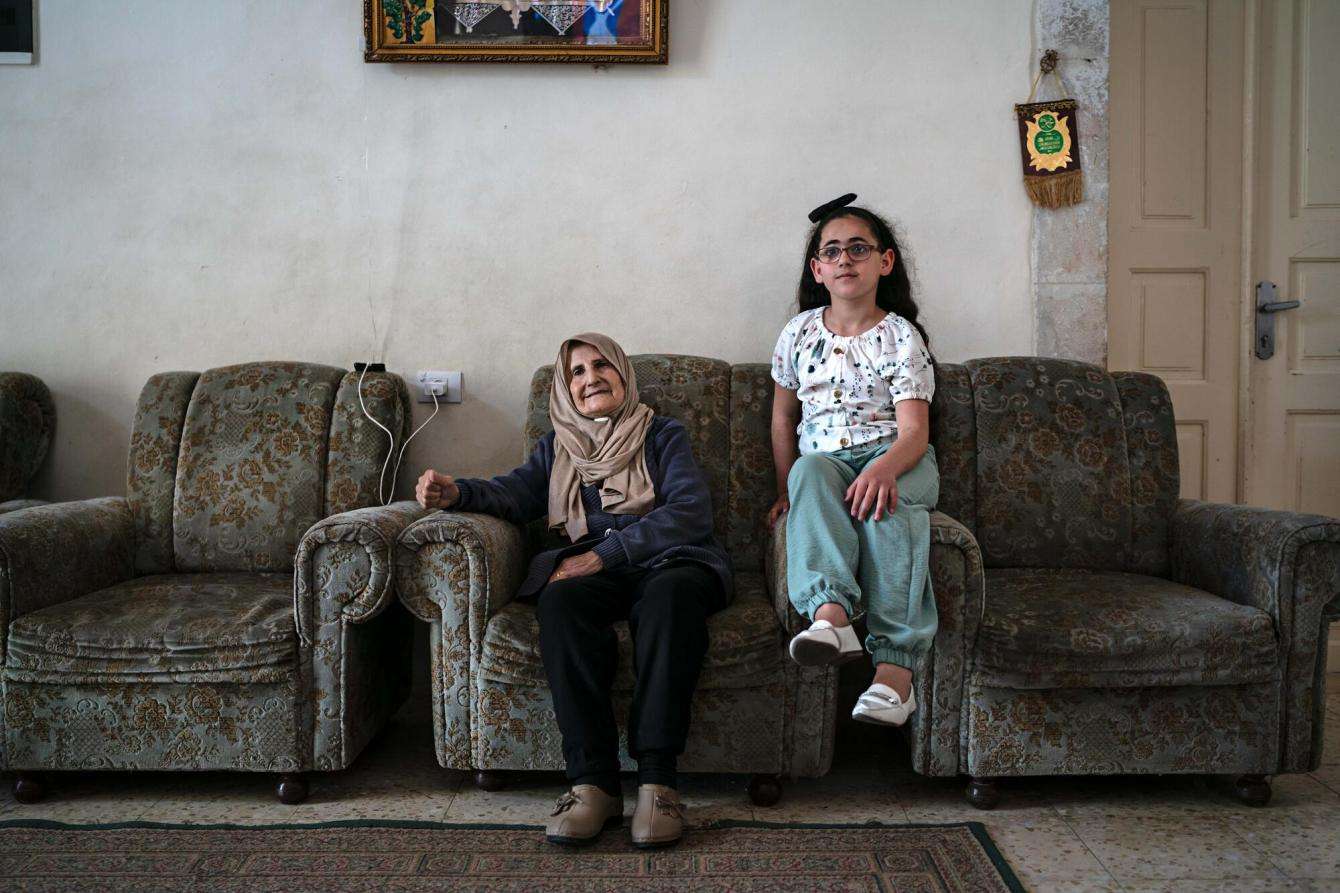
{"x": 16, "y": 32}
{"x": 591, "y": 31}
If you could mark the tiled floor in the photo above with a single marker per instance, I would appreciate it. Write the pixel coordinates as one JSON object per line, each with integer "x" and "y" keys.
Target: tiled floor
{"x": 1169, "y": 833}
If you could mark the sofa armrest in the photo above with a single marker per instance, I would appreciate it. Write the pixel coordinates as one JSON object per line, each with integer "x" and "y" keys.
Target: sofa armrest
{"x": 51, "y": 554}
{"x": 449, "y": 556}
{"x": 774, "y": 567}
{"x": 1285, "y": 564}
{"x": 454, "y": 570}
{"x": 958, "y": 579}
{"x": 1245, "y": 554}
{"x": 345, "y": 563}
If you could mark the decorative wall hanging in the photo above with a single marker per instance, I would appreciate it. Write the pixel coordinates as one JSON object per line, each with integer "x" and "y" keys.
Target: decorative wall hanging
{"x": 591, "y": 31}
{"x": 1049, "y": 140}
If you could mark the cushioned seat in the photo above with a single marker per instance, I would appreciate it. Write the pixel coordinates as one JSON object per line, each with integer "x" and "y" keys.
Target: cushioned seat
{"x": 742, "y": 651}
{"x": 232, "y": 623}
{"x": 1049, "y": 628}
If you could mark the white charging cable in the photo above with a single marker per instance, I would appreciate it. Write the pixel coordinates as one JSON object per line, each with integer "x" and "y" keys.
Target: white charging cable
{"x": 382, "y": 495}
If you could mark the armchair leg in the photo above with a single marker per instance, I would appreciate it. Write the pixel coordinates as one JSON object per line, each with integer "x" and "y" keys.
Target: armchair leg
{"x": 1252, "y": 790}
{"x": 292, "y": 788}
{"x": 28, "y": 787}
{"x": 983, "y": 792}
{"x": 489, "y": 781}
{"x": 765, "y": 790}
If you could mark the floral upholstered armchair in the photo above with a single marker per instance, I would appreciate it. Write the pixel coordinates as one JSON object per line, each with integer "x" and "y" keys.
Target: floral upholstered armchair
{"x": 235, "y": 610}
{"x": 754, "y": 711}
{"x": 27, "y": 422}
{"x": 1123, "y": 630}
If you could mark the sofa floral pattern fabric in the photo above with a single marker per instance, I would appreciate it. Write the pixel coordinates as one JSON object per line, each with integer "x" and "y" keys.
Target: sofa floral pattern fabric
{"x": 222, "y": 616}
{"x": 1052, "y": 628}
{"x": 1053, "y": 479}
{"x": 151, "y": 475}
{"x": 170, "y": 623}
{"x": 1107, "y": 731}
{"x": 27, "y": 424}
{"x": 251, "y": 466}
{"x": 1287, "y": 565}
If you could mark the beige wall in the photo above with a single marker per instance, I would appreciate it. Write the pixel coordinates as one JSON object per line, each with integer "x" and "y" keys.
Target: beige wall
{"x": 190, "y": 185}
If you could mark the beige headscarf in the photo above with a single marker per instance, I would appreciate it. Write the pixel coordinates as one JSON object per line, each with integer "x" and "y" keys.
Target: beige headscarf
{"x": 609, "y": 451}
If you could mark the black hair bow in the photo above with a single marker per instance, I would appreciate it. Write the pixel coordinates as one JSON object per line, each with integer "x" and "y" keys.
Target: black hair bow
{"x": 826, "y": 208}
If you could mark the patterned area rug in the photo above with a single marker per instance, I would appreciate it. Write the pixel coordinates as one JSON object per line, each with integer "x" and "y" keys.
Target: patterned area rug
{"x": 730, "y": 856}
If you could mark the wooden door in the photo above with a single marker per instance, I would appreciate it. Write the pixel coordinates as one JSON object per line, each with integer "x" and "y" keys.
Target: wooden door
{"x": 1175, "y": 219}
{"x": 1292, "y": 453}
{"x": 1293, "y": 446}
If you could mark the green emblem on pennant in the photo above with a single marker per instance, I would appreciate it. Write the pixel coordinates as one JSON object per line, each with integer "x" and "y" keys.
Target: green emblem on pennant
{"x": 1046, "y": 122}
{"x": 1048, "y": 142}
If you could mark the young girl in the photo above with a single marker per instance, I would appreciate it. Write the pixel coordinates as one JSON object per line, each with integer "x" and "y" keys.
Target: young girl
{"x": 854, "y": 381}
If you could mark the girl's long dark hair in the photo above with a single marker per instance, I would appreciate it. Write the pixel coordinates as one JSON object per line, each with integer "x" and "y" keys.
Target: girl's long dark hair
{"x": 894, "y": 294}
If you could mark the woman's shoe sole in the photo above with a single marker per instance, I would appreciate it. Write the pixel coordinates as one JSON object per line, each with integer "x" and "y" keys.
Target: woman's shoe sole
{"x": 614, "y": 821}
{"x": 656, "y": 844}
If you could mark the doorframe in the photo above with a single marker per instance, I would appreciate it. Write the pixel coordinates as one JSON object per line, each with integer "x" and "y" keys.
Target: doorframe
{"x": 1246, "y": 304}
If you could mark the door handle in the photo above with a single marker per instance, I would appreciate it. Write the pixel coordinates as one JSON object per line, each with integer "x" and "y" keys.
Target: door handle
{"x": 1267, "y": 305}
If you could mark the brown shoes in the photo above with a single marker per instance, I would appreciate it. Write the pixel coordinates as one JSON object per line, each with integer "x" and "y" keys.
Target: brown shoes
{"x": 659, "y": 819}
{"x": 581, "y": 814}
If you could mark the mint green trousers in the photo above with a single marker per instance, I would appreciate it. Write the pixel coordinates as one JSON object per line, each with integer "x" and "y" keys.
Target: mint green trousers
{"x": 879, "y": 567}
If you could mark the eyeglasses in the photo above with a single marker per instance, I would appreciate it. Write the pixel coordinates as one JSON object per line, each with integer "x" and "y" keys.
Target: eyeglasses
{"x": 857, "y": 251}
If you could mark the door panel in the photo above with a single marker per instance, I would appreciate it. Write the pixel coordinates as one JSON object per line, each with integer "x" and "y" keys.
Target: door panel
{"x": 1175, "y": 224}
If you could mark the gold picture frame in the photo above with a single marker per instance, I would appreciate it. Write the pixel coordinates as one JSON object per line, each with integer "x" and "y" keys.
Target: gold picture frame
{"x": 589, "y": 31}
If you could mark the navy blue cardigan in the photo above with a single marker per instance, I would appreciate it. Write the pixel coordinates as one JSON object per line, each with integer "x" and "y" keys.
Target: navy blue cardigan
{"x": 679, "y": 527}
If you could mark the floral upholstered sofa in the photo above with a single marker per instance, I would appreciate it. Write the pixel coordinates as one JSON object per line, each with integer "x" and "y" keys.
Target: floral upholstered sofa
{"x": 234, "y": 611}
{"x": 1121, "y": 629}
{"x": 755, "y": 711}
{"x": 27, "y": 422}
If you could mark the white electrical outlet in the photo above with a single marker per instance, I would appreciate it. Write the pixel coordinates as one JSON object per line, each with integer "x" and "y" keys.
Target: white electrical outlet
{"x": 446, "y": 385}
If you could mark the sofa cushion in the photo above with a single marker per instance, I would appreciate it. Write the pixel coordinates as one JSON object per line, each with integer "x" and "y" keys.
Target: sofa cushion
{"x": 172, "y": 623}
{"x": 250, "y": 474}
{"x": 1080, "y": 629}
{"x": 744, "y": 649}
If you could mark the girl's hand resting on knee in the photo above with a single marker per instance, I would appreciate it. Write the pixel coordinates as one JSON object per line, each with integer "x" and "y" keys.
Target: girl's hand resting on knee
{"x": 583, "y": 565}
{"x": 779, "y": 508}
{"x": 436, "y": 490}
{"x": 875, "y": 488}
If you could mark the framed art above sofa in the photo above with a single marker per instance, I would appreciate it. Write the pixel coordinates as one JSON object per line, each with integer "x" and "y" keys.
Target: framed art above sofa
{"x": 590, "y": 31}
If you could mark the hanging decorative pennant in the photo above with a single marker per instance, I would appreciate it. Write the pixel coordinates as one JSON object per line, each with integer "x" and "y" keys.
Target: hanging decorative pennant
{"x": 1049, "y": 140}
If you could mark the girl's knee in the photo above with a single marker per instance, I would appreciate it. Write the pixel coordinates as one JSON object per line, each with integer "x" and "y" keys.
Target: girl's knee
{"x": 814, "y": 469}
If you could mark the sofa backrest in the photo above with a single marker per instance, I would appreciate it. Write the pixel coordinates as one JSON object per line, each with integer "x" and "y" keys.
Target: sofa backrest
{"x": 1057, "y": 463}
{"x": 228, "y": 468}
{"x": 27, "y": 421}
{"x": 693, "y": 390}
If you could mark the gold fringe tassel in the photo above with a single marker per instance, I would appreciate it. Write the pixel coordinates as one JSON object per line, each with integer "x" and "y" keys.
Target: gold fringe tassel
{"x": 1056, "y": 190}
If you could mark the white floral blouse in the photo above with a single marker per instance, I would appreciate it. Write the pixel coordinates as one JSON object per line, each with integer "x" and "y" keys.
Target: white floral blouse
{"x": 848, "y": 384}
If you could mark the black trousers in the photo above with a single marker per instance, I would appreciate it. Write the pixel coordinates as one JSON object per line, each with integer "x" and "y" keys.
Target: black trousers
{"x": 667, "y": 610}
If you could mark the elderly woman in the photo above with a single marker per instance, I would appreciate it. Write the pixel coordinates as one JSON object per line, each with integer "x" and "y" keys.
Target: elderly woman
{"x": 620, "y": 486}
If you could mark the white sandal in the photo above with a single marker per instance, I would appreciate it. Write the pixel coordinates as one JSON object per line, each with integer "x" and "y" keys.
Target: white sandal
{"x": 881, "y": 706}
{"x": 823, "y": 644}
